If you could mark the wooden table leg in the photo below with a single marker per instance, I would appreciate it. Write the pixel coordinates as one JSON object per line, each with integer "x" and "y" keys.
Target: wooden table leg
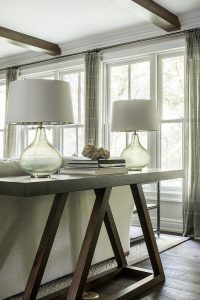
{"x": 45, "y": 246}
{"x": 147, "y": 229}
{"x": 114, "y": 238}
{"x": 89, "y": 244}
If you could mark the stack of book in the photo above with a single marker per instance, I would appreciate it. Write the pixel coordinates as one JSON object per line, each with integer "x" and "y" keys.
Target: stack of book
{"x": 95, "y": 167}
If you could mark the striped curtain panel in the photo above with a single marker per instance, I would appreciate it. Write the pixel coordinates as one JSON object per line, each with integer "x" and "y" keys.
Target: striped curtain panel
{"x": 92, "y": 97}
{"x": 10, "y": 130}
{"x": 191, "y": 201}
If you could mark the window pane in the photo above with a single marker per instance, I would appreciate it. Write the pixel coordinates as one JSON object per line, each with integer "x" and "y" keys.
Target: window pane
{"x": 140, "y": 80}
{"x": 81, "y": 140}
{"x": 69, "y": 141}
{"x": 119, "y": 82}
{"x": 2, "y": 104}
{"x": 171, "y": 153}
{"x": 73, "y": 80}
{"x": 1, "y": 143}
{"x": 117, "y": 143}
{"x": 143, "y": 138}
{"x": 173, "y": 87}
{"x": 32, "y": 133}
{"x": 171, "y": 146}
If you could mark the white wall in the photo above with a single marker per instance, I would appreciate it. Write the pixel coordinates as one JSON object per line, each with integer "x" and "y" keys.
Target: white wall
{"x": 171, "y": 215}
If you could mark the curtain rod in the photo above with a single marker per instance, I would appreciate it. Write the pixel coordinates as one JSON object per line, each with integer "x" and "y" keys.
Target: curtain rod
{"x": 177, "y": 33}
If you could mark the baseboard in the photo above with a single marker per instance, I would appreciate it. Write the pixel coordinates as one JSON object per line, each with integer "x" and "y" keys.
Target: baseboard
{"x": 171, "y": 225}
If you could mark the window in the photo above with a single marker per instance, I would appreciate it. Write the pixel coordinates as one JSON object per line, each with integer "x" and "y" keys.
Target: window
{"x": 159, "y": 77}
{"x": 68, "y": 139}
{"x": 127, "y": 81}
{"x": 2, "y": 113}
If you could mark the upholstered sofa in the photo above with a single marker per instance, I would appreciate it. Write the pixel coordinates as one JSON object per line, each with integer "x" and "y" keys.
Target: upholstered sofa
{"x": 23, "y": 219}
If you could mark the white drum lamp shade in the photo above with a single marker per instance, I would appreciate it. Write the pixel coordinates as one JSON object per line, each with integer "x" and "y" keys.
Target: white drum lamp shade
{"x": 33, "y": 101}
{"x": 40, "y": 101}
{"x": 133, "y": 116}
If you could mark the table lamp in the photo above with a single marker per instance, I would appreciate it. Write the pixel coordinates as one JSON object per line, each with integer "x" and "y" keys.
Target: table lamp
{"x": 39, "y": 102}
{"x": 134, "y": 116}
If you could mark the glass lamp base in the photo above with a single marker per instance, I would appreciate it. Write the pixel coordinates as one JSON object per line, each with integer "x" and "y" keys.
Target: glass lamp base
{"x": 134, "y": 168}
{"x": 40, "y": 159}
{"x": 135, "y": 155}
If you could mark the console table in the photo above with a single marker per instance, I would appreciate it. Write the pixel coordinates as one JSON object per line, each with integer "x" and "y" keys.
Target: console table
{"x": 61, "y": 185}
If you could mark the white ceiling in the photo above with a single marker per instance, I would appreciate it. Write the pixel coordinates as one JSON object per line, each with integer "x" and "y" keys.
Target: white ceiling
{"x": 63, "y": 21}
{"x": 180, "y": 6}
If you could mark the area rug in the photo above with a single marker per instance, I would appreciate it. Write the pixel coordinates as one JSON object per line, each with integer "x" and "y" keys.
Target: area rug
{"x": 138, "y": 253}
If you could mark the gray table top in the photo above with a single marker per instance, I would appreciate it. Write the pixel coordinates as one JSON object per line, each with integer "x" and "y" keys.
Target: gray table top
{"x": 27, "y": 187}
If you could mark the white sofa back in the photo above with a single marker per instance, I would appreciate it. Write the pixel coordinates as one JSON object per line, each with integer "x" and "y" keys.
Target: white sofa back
{"x": 23, "y": 221}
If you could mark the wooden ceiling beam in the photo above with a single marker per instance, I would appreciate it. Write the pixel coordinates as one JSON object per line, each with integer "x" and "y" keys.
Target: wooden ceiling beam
{"x": 157, "y": 14}
{"x": 30, "y": 42}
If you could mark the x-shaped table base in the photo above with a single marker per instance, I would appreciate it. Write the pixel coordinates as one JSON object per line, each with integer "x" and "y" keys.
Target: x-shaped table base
{"x": 101, "y": 213}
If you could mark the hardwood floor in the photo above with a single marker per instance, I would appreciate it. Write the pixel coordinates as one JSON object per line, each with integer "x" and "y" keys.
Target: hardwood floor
{"x": 182, "y": 270}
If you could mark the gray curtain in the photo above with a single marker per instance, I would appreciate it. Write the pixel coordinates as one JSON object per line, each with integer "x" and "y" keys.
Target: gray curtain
{"x": 191, "y": 201}
{"x": 10, "y": 130}
{"x": 92, "y": 97}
